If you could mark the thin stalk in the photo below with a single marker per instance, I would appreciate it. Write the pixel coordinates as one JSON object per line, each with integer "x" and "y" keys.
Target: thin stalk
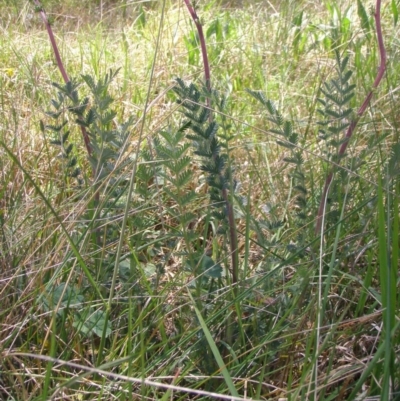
{"x": 204, "y": 53}
{"x": 50, "y": 364}
{"x": 360, "y": 112}
{"x": 104, "y": 370}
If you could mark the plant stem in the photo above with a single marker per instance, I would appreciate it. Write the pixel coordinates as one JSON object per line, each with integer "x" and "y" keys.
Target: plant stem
{"x": 204, "y": 53}
{"x": 360, "y": 112}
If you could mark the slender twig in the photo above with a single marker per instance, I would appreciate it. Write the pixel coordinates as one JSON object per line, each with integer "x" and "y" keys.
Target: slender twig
{"x": 60, "y": 65}
{"x": 360, "y": 112}
{"x": 204, "y": 53}
{"x": 229, "y": 208}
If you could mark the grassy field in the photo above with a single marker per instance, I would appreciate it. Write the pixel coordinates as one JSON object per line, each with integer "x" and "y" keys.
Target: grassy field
{"x": 177, "y": 254}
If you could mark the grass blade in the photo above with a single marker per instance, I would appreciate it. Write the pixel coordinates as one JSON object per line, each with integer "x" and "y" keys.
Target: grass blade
{"x": 214, "y": 349}
{"x": 395, "y": 12}
{"x": 388, "y": 296}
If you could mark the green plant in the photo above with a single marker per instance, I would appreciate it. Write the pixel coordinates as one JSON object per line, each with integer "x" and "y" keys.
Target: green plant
{"x": 355, "y": 117}
{"x": 214, "y": 159}
{"x": 39, "y": 9}
{"x": 291, "y": 140}
{"x": 108, "y": 157}
{"x": 175, "y": 168}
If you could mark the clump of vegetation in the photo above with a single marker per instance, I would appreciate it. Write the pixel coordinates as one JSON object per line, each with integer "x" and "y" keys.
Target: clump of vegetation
{"x": 228, "y": 234}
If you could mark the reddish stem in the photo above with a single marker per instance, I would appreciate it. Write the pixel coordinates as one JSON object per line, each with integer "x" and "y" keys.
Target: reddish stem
{"x": 61, "y": 66}
{"x": 360, "y": 112}
{"x": 204, "y": 53}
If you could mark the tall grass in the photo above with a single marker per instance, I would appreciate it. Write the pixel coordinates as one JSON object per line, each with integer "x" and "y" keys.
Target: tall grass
{"x": 117, "y": 276}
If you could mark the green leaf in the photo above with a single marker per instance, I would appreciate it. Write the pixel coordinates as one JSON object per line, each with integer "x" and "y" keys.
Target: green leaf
{"x": 94, "y": 322}
{"x": 291, "y": 160}
{"x": 72, "y": 162}
{"x": 75, "y": 173}
{"x": 210, "y": 268}
{"x": 56, "y": 128}
{"x": 150, "y": 269}
{"x": 182, "y": 179}
{"x": 301, "y": 189}
{"x": 125, "y": 271}
{"x": 68, "y": 149}
{"x": 258, "y": 95}
{"x": 65, "y": 137}
{"x": 63, "y": 296}
{"x": 287, "y": 145}
{"x": 395, "y": 12}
